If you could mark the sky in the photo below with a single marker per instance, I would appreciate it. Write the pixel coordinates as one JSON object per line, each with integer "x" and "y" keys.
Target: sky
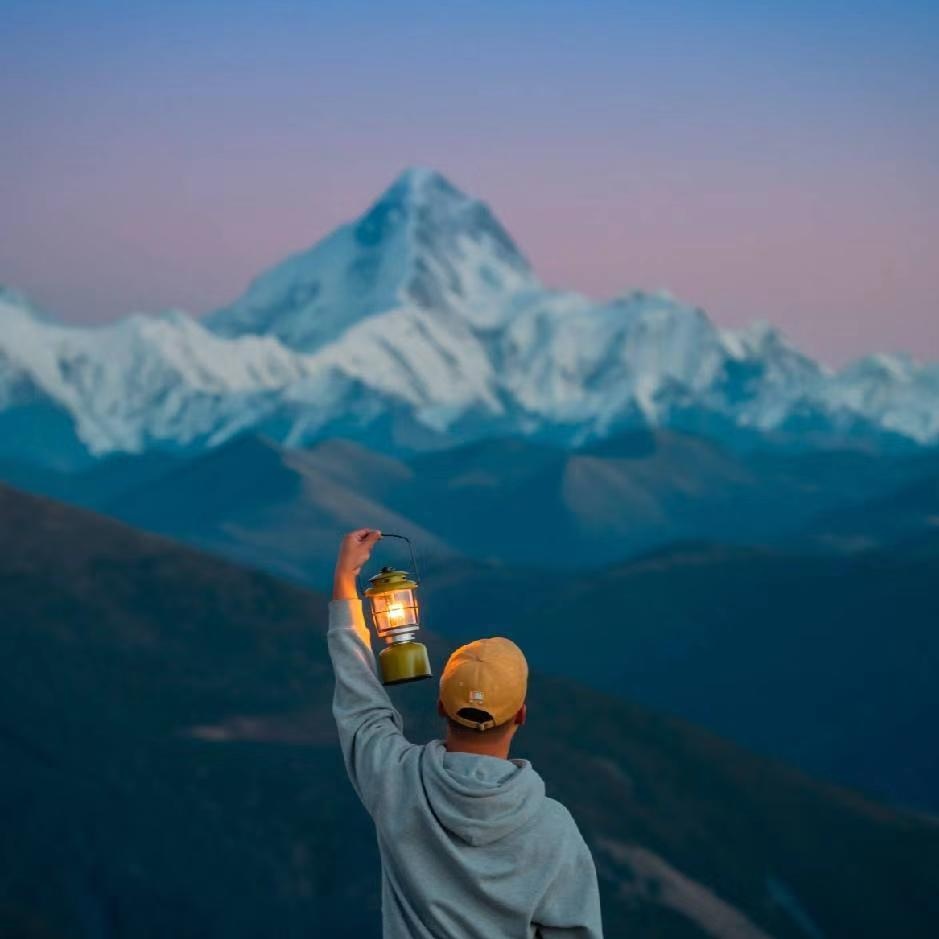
{"x": 774, "y": 161}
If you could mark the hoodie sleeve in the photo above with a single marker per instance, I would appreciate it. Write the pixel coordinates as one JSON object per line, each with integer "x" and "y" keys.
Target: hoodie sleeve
{"x": 570, "y": 908}
{"x": 370, "y": 727}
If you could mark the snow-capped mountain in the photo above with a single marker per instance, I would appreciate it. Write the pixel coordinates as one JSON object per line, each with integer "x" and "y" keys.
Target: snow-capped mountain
{"x": 422, "y": 245}
{"x": 422, "y": 325}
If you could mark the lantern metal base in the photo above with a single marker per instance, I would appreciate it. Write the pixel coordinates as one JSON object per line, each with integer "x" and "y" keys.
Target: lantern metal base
{"x": 400, "y": 662}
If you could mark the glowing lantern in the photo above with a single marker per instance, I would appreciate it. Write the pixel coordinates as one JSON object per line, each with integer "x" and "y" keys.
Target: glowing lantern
{"x": 392, "y": 596}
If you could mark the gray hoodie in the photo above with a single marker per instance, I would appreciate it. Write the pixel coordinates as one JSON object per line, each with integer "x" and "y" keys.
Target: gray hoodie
{"x": 471, "y": 848}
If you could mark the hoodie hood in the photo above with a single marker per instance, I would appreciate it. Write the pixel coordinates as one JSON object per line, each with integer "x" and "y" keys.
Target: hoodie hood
{"x": 480, "y": 799}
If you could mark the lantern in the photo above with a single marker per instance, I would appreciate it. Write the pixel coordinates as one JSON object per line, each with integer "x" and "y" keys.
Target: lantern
{"x": 392, "y": 596}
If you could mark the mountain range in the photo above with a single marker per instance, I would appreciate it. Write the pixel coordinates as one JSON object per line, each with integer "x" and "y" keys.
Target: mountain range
{"x": 512, "y": 501}
{"x": 170, "y": 768}
{"x": 419, "y": 326}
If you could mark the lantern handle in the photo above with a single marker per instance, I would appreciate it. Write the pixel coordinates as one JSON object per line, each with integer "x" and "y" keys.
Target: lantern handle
{"x": 388, "y": 534}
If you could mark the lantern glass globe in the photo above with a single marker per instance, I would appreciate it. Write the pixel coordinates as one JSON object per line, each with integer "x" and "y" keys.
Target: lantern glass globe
{"x": 392, "y": 595}
{"x": 395, "y": 610}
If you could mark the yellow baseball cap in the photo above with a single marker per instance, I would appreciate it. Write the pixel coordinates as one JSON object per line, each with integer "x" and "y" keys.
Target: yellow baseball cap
{"x": 489, "y": 675}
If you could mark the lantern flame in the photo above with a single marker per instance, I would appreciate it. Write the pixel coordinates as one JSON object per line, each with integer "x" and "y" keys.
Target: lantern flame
{"x": 396, "y": 614}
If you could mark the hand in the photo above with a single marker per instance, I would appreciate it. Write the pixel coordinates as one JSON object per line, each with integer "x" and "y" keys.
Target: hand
{"x": 354, "y": 552}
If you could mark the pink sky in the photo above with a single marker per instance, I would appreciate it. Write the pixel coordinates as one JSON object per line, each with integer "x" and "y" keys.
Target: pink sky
{"x": 787, "y": 173}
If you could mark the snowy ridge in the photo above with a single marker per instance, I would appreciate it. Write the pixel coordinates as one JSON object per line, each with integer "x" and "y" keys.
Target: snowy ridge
{"x": 422, "y": 323}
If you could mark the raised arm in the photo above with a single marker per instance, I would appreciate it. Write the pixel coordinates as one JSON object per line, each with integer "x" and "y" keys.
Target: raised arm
{"x": 370, "y": 727}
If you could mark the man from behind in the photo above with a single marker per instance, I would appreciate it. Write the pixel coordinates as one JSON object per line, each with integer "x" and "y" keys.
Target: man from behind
{"x": 471, "y": 848}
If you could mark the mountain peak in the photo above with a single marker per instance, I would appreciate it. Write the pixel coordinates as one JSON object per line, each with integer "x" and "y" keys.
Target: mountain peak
{"x": 435, "y": 208}
{"x": 417, "y": 192}
{"x": 422, "y": 244}
{"x": 422, "y": 180}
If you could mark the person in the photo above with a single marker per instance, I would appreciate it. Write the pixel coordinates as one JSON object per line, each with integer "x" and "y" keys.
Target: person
{"x": 471, "y": 847}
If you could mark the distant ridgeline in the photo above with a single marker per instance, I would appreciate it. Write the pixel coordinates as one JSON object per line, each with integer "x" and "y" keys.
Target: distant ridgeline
{"x": 421, "y": 325}
{"x": 170, "y": 769}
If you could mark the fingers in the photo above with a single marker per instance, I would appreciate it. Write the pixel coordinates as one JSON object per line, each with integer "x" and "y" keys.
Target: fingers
{"x": 364, "y": 535}
{"x": 357, "y": 536}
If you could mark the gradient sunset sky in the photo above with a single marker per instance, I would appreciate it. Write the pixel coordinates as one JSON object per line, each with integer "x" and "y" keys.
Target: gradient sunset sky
{"x": 775, "y": 161}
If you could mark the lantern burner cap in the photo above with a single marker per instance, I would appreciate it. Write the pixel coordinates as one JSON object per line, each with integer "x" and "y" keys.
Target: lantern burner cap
{"x": 389, "y": 579}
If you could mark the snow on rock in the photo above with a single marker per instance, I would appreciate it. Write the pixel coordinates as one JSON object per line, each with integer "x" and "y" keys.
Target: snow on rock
{"x": 144, "y": 379}
{"x": 894, "y": 392}
{"x": 422, "y": 243}
{"x": 422, "y": 318}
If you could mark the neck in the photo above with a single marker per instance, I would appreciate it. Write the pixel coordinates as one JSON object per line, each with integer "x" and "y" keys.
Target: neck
{"x": 498, "y": 748}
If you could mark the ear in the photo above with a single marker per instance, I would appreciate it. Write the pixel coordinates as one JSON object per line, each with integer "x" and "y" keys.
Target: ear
{"x": 521, "y": 715}
{"x": 440, "y": 709}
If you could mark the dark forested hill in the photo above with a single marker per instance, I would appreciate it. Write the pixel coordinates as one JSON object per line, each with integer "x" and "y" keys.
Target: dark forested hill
{"x": 827, "y": 662}
{"x": 170, "y": 769}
